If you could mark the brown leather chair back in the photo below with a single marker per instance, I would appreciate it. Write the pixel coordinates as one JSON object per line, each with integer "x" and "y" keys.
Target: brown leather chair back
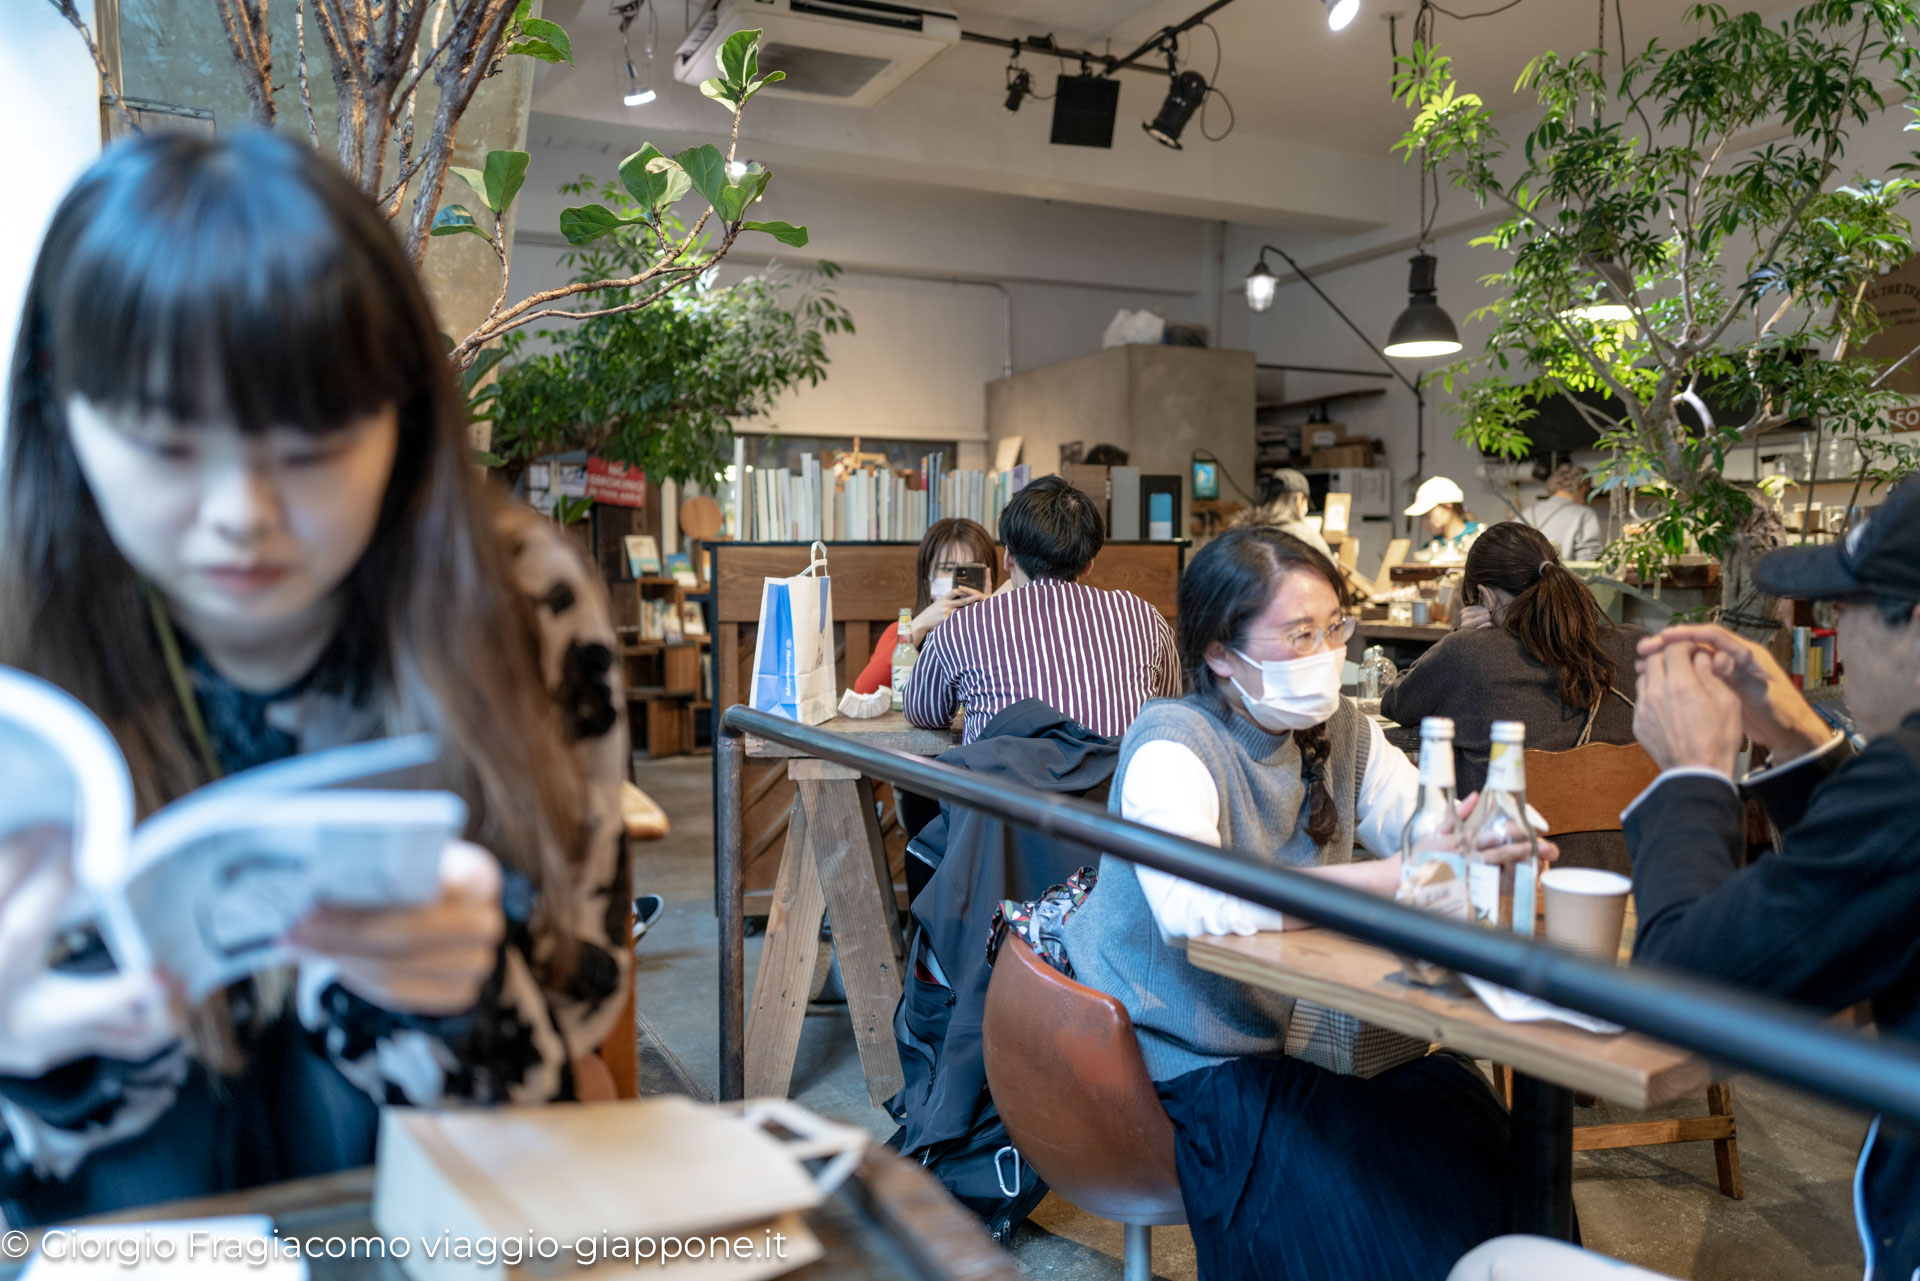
{"x": 1067, "y": 1077}
{"x": 1585, "y": 789}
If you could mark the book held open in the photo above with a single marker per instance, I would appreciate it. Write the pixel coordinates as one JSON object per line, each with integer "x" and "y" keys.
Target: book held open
{"x": 206, "y": 888}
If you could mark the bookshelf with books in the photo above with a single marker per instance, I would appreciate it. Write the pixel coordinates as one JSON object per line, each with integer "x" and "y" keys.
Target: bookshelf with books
{"x": 866, "y": 504}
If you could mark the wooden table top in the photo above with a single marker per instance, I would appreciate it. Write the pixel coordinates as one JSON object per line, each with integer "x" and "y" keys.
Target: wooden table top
{"x": 890, "y": 1222}
{"x": 1345, "y": 974}
{"x": 890, "y": 731}
{"x": 1404, "y": 631}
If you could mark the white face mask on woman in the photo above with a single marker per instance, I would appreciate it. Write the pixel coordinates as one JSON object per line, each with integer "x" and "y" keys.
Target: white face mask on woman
{"x": 1297, "y": 694}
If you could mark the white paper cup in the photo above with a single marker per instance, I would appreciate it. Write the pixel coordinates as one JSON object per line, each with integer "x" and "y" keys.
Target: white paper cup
{"x": 1586, "y": 910}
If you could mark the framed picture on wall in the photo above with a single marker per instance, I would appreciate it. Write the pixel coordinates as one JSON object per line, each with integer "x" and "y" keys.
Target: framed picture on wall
{"x": 1206, "y": 479}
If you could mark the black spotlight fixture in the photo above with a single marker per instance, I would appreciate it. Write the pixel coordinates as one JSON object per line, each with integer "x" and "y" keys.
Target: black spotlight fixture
{"x": 1019, "y": 85}
{"x": 1424, "y": 328}
{"x": 1184, "y": 96}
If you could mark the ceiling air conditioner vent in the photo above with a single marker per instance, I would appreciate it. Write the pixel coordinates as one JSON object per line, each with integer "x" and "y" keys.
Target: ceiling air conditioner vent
{"x": 848, "y": 52}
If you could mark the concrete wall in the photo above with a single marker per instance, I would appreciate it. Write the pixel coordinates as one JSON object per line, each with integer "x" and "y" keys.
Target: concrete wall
{"x": 49, "y": 90}
{"x": 176, "y": 51}
{"x": 1159, "y": 404}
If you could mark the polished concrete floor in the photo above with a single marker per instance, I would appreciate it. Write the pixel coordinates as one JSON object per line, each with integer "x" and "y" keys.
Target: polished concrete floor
{"x": 1658, "y": 1207}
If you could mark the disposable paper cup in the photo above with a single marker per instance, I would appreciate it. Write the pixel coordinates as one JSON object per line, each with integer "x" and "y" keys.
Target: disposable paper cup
{"x": 1586, "y": 910}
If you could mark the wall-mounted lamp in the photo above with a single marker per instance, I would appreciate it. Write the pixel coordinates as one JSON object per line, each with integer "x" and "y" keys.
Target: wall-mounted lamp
{"x": 1340, "y": 13}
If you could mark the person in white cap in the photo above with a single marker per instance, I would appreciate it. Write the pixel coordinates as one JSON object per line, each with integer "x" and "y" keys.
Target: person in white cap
{"x": 1450, "y": 529}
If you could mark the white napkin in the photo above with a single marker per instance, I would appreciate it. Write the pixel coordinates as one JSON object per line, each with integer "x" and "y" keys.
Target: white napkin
{"x": 864, "y": 707}
{"x": 1516, "y": 1007}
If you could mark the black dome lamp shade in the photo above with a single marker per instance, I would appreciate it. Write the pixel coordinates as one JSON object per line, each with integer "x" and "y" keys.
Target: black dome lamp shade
{"x": 1424, "y": 328}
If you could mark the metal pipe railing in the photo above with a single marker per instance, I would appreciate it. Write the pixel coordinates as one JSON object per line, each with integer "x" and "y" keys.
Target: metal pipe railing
{"x": 1730, "y": 1027}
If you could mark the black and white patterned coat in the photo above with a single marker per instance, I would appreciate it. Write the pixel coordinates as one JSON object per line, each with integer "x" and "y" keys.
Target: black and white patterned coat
{"x": 518, "y": 1044}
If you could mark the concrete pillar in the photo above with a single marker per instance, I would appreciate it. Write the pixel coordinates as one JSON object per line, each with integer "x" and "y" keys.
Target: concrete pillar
{"x": 176, "y": 51}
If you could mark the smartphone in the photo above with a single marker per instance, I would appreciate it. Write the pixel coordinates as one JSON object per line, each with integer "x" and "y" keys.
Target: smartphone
{"x": 973, "y": 574}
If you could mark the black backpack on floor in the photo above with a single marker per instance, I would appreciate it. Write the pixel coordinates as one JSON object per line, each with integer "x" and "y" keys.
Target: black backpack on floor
{"x": 985, "y": 1173}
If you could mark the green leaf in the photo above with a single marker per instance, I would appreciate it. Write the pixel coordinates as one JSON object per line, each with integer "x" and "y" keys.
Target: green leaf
{"x": 506, "y": 171}
{"x": 453, "y": 220}
{"x": 742, "y": 191}
{"x": 722, "y": 93}
{"x": 653, "y": 179}
{"x": 540, "y": 49}
{"x": 552, "y": 34}
{"x": 486, "y": 459}
{"x": 707, "y": 169}
{"x": 472, "y": 177}
{"x": 784, "y": 232}
{"x": 582, "y": 224}
{"x": 739, "y": 56}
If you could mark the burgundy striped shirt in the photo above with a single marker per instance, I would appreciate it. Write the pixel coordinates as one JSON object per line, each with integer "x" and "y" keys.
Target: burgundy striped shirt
{"x": 1094, "y": 655}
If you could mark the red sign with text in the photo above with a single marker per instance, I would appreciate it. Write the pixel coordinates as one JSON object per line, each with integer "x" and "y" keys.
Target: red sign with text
{"x": 616, "y": 483}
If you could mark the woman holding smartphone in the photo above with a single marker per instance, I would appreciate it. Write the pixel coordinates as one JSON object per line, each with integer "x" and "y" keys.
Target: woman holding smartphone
{"x": 950, "y": 544}
{"x": 238, "y": 522}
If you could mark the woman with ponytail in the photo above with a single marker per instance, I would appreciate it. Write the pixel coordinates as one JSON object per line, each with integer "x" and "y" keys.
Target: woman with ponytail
{"x": 1533, "y": 647}
{"x": 1287, "y": 1168}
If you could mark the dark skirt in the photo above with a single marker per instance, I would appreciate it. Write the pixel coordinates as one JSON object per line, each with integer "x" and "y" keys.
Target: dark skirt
{"x": 1291, "y": 1171}
{"x": 292, "y": 1114}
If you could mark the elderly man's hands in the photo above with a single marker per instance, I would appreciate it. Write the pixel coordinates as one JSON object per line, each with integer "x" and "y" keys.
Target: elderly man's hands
{"x": 1684, "y": 714}
{"x": 1772, "y": 712}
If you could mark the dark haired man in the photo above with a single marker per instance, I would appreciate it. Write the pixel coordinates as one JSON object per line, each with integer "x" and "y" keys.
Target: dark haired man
{"x": 1834, "y": 917}
{"x": 1094, "y": 655}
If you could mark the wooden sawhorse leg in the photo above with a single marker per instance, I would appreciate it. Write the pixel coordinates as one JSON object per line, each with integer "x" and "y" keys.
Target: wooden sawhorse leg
{"x": 828, "y": 868}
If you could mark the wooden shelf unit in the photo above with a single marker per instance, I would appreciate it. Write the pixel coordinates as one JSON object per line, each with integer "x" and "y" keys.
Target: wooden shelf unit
{"x": 665, "y": 679}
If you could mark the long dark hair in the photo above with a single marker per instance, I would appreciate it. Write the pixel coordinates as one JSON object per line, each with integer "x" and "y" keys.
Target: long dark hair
{"x": 1553, "y": 614}
{"x": 953, "y": 529}
{"x": 245, "y": 279}
{"x": 1228, "y": 584}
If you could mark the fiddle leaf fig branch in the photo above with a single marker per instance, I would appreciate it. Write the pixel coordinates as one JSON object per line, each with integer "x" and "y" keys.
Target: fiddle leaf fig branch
{"x": 1695, "y": 187}
{"x": 381, "y": 55}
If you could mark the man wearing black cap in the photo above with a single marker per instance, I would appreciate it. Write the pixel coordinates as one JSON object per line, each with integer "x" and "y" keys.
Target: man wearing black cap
{"x": 1834, "y": 917}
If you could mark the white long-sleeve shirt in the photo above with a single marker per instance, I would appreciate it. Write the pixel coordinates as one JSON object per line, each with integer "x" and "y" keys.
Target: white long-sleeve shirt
{"x": 1168, "y": 787}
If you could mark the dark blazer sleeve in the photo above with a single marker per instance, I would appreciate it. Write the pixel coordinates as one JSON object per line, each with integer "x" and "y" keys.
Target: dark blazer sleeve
{"x": 1828, "y": 920}
{"x": 1785, "y": 794}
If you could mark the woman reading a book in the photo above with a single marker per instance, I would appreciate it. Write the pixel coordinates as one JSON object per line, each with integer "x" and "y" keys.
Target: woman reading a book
{"x": 949, "y": 544}
{"x": 239, "y": 522}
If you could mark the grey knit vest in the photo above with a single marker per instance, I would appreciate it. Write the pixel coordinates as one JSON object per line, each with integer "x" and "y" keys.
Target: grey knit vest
{"x": 1188, "y": 1018}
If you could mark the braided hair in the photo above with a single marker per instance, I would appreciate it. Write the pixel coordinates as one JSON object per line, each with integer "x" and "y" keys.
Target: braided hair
{"x": 1229, "y": 583}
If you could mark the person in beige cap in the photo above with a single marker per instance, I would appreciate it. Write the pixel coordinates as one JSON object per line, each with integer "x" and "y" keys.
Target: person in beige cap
{"x": 1564, "y": 517}
{"x": 1450, "y": 529}
{"x": 1287, "y": 511}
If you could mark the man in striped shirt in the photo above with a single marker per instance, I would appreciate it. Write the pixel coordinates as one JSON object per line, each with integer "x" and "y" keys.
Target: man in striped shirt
{"x": 1094, "y": 655}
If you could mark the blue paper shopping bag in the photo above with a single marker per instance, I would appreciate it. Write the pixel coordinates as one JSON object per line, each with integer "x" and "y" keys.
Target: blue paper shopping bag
{"x": 793, "y": 651}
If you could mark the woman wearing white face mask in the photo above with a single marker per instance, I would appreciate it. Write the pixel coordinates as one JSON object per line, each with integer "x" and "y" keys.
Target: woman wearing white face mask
{"x": 1287, "y": 1169}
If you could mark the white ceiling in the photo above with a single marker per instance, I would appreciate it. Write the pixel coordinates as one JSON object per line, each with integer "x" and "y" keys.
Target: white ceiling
{"x": 1313, "y": 117}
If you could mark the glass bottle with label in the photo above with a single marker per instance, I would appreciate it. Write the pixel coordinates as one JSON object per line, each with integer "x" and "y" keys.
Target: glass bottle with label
{"x": 1432, "y": 873}
{"x": 903, "y": 656}
{"x": 1503, "y": 896}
